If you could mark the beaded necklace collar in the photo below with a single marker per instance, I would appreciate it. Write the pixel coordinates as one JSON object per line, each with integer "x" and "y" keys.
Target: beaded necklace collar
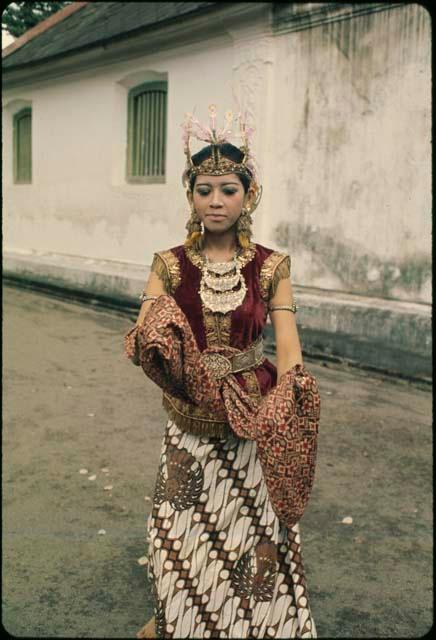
{"x": 244, "y": 255}
{"x": 219, "y": 279}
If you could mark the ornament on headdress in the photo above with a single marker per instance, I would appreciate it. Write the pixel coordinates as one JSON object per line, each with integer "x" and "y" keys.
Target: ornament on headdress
{"x": 218, "y": 164}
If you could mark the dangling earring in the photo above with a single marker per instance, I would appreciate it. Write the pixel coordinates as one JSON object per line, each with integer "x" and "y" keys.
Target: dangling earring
{"x": 243, "y": 228}
{"x": 258, "y": 195}
{"x": 195, "y": 229}
{"x": 194, "y": 222}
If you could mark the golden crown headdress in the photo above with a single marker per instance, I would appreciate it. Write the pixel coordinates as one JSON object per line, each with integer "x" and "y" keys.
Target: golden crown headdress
{"x": 218, "y": 164}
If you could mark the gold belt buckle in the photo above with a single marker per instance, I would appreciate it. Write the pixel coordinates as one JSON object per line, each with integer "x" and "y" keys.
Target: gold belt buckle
{"x": 218, "y": 365}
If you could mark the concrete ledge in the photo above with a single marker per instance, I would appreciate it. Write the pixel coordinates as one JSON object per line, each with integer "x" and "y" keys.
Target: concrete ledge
{"x": 108, "y": 279}
{"x": 386, "y": 335}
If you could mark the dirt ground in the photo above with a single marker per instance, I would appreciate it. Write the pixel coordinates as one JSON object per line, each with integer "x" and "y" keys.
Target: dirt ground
{"x": 72, "y": 401}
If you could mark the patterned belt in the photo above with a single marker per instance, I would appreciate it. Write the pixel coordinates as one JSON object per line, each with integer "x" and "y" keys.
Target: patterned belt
{"x": 221, "y": 365}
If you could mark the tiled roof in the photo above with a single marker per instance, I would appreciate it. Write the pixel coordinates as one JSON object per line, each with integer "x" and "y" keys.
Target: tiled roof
{"x": 98, "y": 22}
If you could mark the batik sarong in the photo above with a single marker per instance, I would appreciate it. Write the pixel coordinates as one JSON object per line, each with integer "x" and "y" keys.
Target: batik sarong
{"x": 220, "y": 563}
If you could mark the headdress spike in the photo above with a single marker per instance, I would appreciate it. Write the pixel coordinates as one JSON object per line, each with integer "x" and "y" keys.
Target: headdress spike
{"x": 219, "y": 164}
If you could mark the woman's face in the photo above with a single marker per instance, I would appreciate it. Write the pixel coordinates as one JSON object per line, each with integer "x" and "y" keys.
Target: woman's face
{"x": 218, "y": 200}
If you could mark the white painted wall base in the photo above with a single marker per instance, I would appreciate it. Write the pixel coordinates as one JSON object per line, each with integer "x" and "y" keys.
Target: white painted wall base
{"x": 389, "y": 335}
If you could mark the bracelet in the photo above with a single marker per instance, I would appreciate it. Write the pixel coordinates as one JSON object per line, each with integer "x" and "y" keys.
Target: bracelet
{"x": 144, "y": 297}
{"x": 292, "y": 307}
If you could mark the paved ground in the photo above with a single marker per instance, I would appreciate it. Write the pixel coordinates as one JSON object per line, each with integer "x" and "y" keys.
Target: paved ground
{"x": 72, "y": 401}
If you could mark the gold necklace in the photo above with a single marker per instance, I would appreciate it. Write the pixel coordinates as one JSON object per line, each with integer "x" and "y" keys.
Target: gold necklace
{"x": 218, "y": 280}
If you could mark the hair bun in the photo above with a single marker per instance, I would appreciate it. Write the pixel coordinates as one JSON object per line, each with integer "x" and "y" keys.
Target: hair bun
{"x": 226, "y": 149}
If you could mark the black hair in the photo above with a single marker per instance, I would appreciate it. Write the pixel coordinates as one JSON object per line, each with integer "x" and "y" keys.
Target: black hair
{"x": 228, "y": 151}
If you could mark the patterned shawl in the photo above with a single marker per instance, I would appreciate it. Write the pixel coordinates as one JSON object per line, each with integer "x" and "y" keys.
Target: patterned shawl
{"x": 284, "y": 423}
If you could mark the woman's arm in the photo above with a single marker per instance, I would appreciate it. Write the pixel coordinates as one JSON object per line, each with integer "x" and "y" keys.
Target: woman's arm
{"x": 154, "y": 287}
{"x": 288, "y": 346}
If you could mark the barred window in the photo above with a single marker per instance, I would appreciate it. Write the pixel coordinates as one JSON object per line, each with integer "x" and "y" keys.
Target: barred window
{"x": 22, "y": 154}
{"x": 147, "y": 124}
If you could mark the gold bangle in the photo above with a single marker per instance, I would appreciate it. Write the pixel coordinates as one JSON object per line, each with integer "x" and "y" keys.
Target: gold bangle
{"x": 144, "y": 297}
{"x": 292, "y": 307}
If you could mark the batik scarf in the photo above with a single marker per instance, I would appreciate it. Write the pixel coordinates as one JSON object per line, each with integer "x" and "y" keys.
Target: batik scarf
{"x": 284, "y": 423}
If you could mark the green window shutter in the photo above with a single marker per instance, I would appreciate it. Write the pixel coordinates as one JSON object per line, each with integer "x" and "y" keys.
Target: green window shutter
{"x": 23, "y": 146}
{"x": 147, "y": 117}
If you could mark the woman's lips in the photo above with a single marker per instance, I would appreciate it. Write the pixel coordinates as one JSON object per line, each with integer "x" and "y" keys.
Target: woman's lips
{"x": 216, "y": 215}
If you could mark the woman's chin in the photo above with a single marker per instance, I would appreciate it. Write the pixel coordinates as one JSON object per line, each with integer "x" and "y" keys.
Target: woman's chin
{"x": 218, "y": 227}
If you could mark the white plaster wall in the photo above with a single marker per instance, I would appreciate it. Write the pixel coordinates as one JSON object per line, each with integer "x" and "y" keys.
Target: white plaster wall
{"x": 79, "y": 202}
{"x": 343, "y": 112}
{"x": 352, "y": 169}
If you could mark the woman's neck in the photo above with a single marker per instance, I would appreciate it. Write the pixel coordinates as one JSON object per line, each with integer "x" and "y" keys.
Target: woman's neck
{"x": 219, "y": 244}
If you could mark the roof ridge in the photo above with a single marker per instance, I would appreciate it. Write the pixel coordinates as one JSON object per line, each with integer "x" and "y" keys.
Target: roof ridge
{"x": 42, "y": 26}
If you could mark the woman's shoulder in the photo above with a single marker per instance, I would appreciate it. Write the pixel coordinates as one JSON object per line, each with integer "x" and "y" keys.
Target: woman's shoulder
{"x": 269, "y": 255}
{"x": 176, "y": 251}
{"x": 273, "y": 266}
{"x": 166, "y": 264}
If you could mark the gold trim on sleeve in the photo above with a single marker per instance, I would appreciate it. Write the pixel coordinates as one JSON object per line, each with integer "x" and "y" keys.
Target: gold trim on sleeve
{"x": 274, "y": 268}
{"x": 281, "y": 271}
{"x": 159, "y": 267}
{"x": 166, "y": 265}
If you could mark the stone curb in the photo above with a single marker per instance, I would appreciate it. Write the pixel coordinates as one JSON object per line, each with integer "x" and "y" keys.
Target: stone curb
{"x": 388, "y": 335}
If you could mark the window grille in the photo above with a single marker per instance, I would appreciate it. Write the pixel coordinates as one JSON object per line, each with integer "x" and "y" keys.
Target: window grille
{"x": 147, "y": 123}
{"x": 22, "y": 155}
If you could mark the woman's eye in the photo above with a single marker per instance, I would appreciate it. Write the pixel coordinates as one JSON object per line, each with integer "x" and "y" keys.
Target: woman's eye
{"x": 206, "y": 192}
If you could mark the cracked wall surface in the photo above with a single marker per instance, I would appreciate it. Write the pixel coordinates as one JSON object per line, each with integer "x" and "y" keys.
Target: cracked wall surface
{"x": 341, "y": 103}
{"x": 351, "y": 266}
{"x": 351, "y": 170}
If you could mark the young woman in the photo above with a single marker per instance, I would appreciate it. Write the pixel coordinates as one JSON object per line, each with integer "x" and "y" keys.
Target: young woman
{"x": 222, "y": 565}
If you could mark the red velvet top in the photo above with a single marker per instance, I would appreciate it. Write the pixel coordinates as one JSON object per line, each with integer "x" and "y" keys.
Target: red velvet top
{"x": 262, "y": 268}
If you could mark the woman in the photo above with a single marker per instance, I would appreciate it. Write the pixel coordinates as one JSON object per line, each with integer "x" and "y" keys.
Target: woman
{"x": 222, "y": 565}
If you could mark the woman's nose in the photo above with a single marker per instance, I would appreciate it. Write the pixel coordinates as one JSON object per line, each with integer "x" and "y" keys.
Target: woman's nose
{"x": 216, "y": 201}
